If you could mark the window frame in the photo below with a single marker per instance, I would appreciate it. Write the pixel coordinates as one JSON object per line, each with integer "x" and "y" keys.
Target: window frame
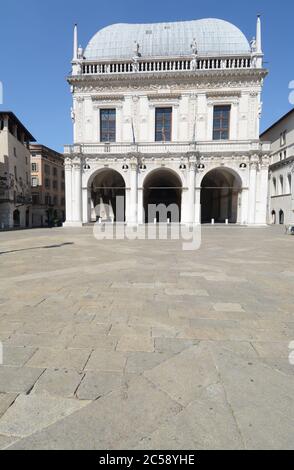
{"x": 160, "y": 108}
{"x": 108, "y": 132}
{"x": 221, "y": 130}
{"x": 283, "y": 138}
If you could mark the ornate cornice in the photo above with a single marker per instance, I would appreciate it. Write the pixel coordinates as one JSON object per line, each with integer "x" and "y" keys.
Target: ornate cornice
{"x": 287, "y": 162}
{"x": 208, "y": 79}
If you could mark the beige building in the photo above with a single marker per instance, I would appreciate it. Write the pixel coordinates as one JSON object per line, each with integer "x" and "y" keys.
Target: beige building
{"x": 281, "y": 193}
{"x": 15, "y": 184}
{"x": 48, "y": 186}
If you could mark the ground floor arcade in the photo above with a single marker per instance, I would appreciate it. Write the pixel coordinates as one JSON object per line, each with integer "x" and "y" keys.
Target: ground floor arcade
{"x": 15, "y": 216}
{"x": 171, "y": 192}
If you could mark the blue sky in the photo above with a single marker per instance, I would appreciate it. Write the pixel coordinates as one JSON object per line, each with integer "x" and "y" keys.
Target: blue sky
{"x": 36, "y": 50}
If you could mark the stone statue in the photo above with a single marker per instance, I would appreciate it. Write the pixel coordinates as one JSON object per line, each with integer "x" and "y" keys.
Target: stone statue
{"x": 137, "y": 49}
{"x": 72, "y": 114}
{"x": 135, "y": 65}
{"x": 194, "y": 47}
{"x": 80, "y": 53}
{"x": 260, "y": 107}
{"x": 194, "y": 64}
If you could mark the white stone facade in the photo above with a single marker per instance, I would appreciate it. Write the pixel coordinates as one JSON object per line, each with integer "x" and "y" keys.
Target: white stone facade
{"x": 234, "y": 171}
{"x": 281, "y": 189}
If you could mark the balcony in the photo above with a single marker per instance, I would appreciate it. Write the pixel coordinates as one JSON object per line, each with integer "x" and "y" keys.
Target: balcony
{"x": 155, "y": 148}
{"x": 165, "y": 65}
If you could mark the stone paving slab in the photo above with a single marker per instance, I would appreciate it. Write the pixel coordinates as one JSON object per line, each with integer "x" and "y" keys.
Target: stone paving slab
{"x": 63, "y": 383}
{"x": 206, "y": 424}
{"x": 6, "y": 442}
{"x": 60, "y": 358}
{"x": 107, "y": 361}
{"x": 30, "y": 414}
{"x": 98, "y": 384}
{"x": 183, "y": 376}
{"x": 18, "y": 379}
{"x": 17, "y": 357}
{"x": 128, "y": 414}
{"x": 6, "y": 400}
{"x": 141, "y": 345}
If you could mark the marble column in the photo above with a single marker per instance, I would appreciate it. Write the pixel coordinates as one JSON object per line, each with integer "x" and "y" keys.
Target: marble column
{"x": 68, "y": 190}
{"x": 133, "y": 200}
{"x": 75, "y": 217}
{"x": 263, "y": 191}
{"x": 192, "y": 184}
{"x": 252, "y": 189}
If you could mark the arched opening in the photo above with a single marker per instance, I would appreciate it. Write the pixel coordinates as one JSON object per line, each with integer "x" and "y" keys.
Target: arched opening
{"x": 27, "y": 218}
{"x": 16, "y": 218}
{"x": 274, "y": 217}
{"x": 281, "y": 217}
{"x": 163, "y": 197}
{"x": 108, "y": 196}
{"x": 220, "y": 193}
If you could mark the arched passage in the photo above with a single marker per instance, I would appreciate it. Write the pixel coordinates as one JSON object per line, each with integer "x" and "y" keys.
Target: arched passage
{"x": 108, "y": 195}
{"x": 220, "y": 196}
{"x": 274, "y": 217}
{"x": 16, "y": 218}
{"x": 163, "y": 196}
{"x": 281, "y": 217}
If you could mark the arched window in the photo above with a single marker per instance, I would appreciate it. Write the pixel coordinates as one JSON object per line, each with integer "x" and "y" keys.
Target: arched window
{"x": 274, "y": 186}
{"x": 281, "y": 185}
{"x": 289, "y": 178}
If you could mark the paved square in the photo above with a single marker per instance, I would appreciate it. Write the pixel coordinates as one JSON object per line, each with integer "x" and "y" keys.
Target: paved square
{"x": 140, "y": 345}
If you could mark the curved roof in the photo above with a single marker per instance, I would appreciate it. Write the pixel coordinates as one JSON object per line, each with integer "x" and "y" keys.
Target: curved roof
{"x": 214, "y": 37}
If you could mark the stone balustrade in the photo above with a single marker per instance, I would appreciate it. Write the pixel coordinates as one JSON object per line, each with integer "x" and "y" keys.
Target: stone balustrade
{"x": 166, "y": 65}
{"x": 154, "y": 148}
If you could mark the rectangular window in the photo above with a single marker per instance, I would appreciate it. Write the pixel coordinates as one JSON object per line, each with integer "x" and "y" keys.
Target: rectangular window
{"x": 34, "y": 167}
{"x": 283, "y": 138}
{"x": 163, "y": 124}
{"x": 55, "y": 184}
{"x": 47, "y": 169}
{"x": 47, "y": 183}
{"x": 107, "y": 125}
{"x": 221, "y": 122}
{"x": 35, "y": 182}
{"x": 54, "y": 171}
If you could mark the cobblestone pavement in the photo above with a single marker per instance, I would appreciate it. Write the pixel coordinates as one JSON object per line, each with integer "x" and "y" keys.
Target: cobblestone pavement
{"x": 140, "y": 345}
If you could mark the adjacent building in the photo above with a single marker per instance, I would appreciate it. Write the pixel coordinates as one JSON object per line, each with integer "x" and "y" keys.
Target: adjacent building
{"x": 281, "y": 190}
{"x": 48, "y": 186}
{"x": 168, "y": 114}
{"x": 15, "y": 173}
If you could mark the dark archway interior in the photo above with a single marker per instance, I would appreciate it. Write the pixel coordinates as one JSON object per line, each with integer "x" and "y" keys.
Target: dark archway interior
{"x": 220, "y": 196}
{"x": 108, "y": 194}
{"x": 16, "y": 218}
{"x": 163, "y": 188}
{"x": 281, "y": 217}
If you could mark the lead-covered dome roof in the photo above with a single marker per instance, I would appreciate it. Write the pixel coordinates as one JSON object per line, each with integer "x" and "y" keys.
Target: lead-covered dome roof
{"x": 214, "y": 37}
